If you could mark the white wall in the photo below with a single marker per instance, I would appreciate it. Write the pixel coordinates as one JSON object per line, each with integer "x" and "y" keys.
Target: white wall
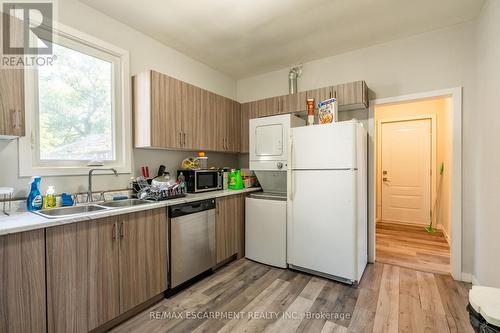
{"x": 436, "y": 60}
{"x": 487, "y": 175}
{"x": 145, "y": 53}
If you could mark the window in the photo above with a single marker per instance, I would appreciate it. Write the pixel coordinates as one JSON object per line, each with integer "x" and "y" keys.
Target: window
{"x": 74, "y": 107}
{"x": 77, "y": 109}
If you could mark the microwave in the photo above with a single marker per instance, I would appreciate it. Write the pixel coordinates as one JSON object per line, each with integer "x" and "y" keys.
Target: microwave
{"x": 202, "y": 180}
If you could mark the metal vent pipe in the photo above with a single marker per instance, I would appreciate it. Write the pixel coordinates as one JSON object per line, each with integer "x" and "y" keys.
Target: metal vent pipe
{"x": 293, "y": 75}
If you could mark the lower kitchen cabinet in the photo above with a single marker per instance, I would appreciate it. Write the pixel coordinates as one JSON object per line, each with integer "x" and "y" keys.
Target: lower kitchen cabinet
{"x": 230, "y": 227}
{"x": 83, "y": 286}
{"x": 99, "y": 269}
{"x": 22, "y": 282}
{"x": 143, "y": 256}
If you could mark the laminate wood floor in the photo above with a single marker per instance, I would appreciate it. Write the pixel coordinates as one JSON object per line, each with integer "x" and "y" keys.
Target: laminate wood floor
{"x": 266, "y": 299}
{"x": 412, "y": 247}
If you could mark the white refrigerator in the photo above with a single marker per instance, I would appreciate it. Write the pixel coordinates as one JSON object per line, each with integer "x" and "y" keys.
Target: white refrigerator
{"x": 327, "y": 201}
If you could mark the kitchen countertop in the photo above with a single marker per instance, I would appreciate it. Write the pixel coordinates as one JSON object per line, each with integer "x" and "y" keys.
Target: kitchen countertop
{"x": 25, "y": 221}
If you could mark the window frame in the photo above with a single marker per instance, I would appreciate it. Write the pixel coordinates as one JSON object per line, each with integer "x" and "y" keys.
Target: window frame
{"x": 29, "y": 156}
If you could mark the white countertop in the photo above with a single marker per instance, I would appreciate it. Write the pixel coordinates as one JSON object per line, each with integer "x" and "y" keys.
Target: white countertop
{"x": 24, "y": 221}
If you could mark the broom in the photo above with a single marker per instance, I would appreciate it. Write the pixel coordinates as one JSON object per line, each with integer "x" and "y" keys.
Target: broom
{"x": 430, "y": 228}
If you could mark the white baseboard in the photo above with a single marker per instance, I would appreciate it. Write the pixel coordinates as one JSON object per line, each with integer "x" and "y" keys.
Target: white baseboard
{"x": 475, "y": 282}
{"x": 443, "y": 230}
{"x": 470, "y": 278}
{"x": 466, "y": 277}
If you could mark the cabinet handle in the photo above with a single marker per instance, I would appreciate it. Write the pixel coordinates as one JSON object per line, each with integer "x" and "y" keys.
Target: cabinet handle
{"x": 180, "y": 139}
{"x": 14, "y": 117}
{"x": 121, "y": 231}
{"x": 19, "y": 117}
{"x": 113, "y": 231}
{"x": 184, "y": 139}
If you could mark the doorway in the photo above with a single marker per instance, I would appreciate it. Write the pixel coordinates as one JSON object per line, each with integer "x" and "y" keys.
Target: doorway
{"x": 413, "y": 142}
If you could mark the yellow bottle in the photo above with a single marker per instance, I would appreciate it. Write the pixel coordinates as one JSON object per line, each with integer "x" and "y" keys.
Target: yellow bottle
{"x": 50, "y": 198}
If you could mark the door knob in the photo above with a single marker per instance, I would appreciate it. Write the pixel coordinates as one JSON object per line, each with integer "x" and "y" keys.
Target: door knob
{"x": 280, "y": 165}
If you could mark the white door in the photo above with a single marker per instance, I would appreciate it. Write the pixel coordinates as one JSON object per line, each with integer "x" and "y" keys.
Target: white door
{"x": 406, "y": 171}
{"x": 322, "y": 224}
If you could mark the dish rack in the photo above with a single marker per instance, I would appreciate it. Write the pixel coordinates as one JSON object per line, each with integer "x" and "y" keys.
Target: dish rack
{"x": 146, "y": 191}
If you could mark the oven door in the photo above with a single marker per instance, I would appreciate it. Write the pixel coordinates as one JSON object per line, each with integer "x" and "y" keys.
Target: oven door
{"x": 206, "y": 181}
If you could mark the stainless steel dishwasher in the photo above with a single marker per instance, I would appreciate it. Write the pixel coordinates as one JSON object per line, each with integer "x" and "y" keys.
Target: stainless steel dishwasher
{"x": 192, "y": 240}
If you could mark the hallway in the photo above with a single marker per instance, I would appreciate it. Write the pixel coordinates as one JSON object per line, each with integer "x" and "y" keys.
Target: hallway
{"x": 412, "y": 247}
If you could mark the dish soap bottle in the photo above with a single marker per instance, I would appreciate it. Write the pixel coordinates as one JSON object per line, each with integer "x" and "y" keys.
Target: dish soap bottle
{"x": 50, "y": 198}
{"x": 35, "y": 199}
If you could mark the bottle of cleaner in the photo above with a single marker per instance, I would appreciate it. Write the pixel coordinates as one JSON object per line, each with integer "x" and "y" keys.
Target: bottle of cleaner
{"x": 35, "y": 199}
{"x": 181, "y": 180}
{"x": 232, "y": 180}
{"x": 50, "y": 198}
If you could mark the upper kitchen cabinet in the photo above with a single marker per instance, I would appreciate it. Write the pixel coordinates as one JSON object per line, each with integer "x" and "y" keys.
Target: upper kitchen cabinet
{"x": 320, "y": 94}
{"x": 228, "y": 124}
{"x": 172, "y": 114}
{"x": 12, "y": 112}
{"x": 234, "y": 128}
{"x": 244, "y": 127}
{"x": 12, "y": 103}
{"x": 157, "y": 111}
{"x": 193, "y": 121}
{"x": 293, "y": 103}
{"x": 208, "y": 122}
{"x": 352, "y": 96}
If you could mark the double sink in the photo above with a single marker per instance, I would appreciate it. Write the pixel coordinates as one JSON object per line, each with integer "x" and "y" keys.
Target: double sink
{"x": 90, "y": 208}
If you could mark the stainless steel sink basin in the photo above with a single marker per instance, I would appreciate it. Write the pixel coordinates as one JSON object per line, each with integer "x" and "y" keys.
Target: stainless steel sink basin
{"x": 123, "y": 203}
{"x": 68, "y": 211}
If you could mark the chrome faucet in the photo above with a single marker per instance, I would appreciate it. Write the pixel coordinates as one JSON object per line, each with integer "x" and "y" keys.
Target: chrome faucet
{"x": 91, "y": 171}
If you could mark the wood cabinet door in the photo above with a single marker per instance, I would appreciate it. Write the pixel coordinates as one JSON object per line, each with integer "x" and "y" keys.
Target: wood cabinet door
{"x": 321, "y": 94}
{"x": 226, "y": 228}
{"x": 234, "y": 124}
{"x": 352, "y": 95}
{"x": 221, "y": 115}
{"x": 83, "y": 290}
{"x": 209, "y": 128}
{"x": 12, "y": 114}
{"x": 12, "y": 111}
{"x": 293, "y": 103}
{"x": 166, "y": 120}
{"x": 253, "y": 109}
{"x": 143, "y": 256}
{"x": 244, "y": 127}
{"x": 192, "y": 117}
{"x": 22, "y": 282}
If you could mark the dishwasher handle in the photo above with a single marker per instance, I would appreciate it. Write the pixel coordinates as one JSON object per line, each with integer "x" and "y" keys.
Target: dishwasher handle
{"x": 191, "y": 208}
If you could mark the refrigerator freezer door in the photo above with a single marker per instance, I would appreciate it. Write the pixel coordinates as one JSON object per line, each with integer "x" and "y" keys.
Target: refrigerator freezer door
{"x": 331, "y": 146}
{"x": 265, "y": 231}
{"x": 322, "y": 223}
